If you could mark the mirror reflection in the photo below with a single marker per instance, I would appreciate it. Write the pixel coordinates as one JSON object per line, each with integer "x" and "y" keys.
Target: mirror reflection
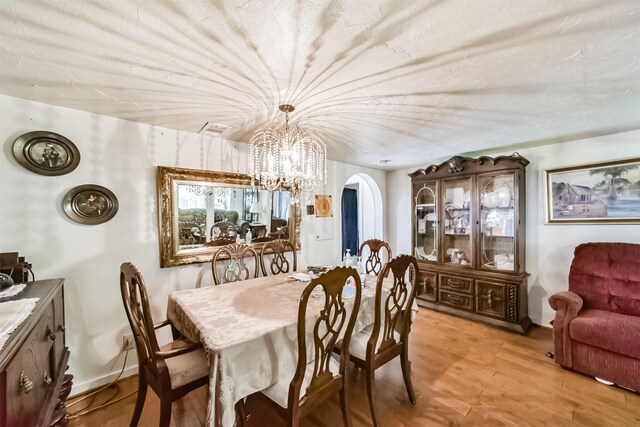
{"x": 201, "y": 210}
{"x": 208, "y": 213}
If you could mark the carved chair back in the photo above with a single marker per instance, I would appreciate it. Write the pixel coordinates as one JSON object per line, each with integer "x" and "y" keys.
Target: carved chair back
{"x": 333, "y": 319}
{"x": 237, "y": 269}
{"x": 393, "y": 314}
{"x": 280, "y": 233}
{"x": 283, "y": 232}
{"x": 184, "y": 230}
{"x": 373, "y": 264}
{"x": 279, "y": 262}
{"x": 152, "y": 368}
{"x": 222, "y": 230}
{"x": 136, "y": 305}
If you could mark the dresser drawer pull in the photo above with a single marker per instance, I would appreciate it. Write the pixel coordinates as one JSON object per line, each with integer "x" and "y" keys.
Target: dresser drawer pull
{"x": 61, "y": 327}
{"x": 46, "y": 378}
{"x": 455, "y": 300}
{"x": 25, "y": 383}
{"x": 51, "y": 334}
{"x": 455, "y": 283}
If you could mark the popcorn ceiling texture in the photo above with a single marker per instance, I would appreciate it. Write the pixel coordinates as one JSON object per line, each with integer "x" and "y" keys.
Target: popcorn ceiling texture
{"x": 408, "y": 81}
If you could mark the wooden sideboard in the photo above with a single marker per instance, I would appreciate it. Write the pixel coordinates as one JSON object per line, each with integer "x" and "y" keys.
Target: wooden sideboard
{"x": 33, "y": 383}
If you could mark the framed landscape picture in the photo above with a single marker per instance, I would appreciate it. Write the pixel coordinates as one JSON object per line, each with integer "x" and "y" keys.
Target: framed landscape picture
{"x": 606, "y": 192}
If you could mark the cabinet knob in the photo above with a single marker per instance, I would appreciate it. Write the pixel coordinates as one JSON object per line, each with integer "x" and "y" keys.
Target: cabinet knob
{"x": 46, "y": 378}
{"x": 425, "y": 285}
{"x": 51, "y": 334}
{"x": 25, "y": 383}
{"x": 490, "y": 299}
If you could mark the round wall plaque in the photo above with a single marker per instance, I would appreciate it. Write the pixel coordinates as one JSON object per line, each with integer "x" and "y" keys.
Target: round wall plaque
{"x": 90, "y": 204}
{"x": 46, "y": 153}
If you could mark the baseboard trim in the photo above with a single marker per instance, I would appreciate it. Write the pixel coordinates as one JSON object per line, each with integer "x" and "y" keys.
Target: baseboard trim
{"x": 87, "y": 386}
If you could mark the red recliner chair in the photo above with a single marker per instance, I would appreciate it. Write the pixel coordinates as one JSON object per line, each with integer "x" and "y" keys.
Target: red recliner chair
{"x": 596, "y": 330}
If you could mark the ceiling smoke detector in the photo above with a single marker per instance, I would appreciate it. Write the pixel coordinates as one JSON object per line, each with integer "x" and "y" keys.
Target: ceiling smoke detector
{"x": 212, "y": 129}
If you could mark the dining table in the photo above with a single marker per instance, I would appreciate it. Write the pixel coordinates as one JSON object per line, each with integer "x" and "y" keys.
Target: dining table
{"x": 248, "y": 330}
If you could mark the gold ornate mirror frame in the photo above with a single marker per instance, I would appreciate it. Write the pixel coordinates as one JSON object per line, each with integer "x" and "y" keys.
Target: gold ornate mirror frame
{"x": 168, "y": 179}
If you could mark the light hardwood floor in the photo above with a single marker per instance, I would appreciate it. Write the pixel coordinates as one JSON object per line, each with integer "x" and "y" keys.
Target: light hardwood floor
{"x": 464, "y": 374}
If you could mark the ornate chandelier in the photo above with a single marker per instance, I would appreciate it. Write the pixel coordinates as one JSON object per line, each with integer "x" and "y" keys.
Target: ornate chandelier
{"x": 288, "y": 157}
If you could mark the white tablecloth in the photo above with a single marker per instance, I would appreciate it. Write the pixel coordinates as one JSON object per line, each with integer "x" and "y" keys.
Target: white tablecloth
{"x": 248, "y": 330}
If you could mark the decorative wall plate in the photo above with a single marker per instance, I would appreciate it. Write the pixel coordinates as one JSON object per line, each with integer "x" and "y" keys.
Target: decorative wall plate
{"x": 46, "y": 153}
{"x": 90, "y": 204}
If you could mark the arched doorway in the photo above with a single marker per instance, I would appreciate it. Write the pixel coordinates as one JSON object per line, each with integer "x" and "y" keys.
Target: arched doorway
{"x": 361, "y": 212}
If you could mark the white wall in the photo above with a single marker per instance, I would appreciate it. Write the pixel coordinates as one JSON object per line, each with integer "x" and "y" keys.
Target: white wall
{"x": 121, "y": 156}
{"x": 366, "y": 208}
{"x": 328, "y": 252}
{"x": 549, "y": 247}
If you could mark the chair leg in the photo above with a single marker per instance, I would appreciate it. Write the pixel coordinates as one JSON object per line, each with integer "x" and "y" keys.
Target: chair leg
{"x": 241, "y": 413}
{"x": 344, "y": 403}
{"x": 165, "y": 412}
{"x": 142, "y": 394}
{"x": 406, "y": 373}
{"x": 293, "y": 421}
{"x": 370, "y": 376}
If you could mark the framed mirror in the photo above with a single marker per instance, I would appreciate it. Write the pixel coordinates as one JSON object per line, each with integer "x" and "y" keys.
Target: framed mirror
{"x": 200, "y": 211}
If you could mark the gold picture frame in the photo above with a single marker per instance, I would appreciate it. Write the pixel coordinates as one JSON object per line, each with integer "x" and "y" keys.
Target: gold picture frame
{"x": 595, "y": 193}
{"x": 168, "y": 178}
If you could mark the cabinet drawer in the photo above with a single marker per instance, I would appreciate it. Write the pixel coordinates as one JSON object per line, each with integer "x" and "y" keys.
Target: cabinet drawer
{"x": 457, "y": 284}
{"x": 28, "y": 380}
{"x": 426, "y": 285}
{"x": 46, "y": 337}
{"x": 456, "y": 300}
{"x": 490, "y": 298}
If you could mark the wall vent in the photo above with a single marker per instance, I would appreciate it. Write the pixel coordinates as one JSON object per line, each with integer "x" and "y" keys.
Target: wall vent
{"x": 213, "y": 129}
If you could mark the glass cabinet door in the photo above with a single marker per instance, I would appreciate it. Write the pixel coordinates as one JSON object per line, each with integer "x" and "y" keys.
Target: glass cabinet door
{"x": 426, "y": 227}
{"x": 458, "y": 222}
{"x": 497, "y": 216}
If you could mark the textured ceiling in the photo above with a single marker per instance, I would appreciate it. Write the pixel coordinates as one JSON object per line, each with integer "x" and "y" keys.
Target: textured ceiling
{"x": 408, "y": 81}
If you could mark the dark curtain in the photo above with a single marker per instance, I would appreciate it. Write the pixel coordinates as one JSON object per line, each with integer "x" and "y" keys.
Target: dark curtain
{"x": 350, "y": 221}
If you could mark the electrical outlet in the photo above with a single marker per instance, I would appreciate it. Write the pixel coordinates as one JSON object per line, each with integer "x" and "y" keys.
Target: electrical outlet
{"x": 127, "y": 342}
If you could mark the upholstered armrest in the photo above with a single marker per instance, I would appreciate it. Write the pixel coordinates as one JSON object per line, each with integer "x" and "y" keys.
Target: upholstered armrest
{"x": 566, "y": 301}
{"x": 567, "y": 306}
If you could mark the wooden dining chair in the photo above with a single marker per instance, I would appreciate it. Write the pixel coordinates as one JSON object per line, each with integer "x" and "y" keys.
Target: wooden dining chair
{"x": 318, "y": 375}
{"x": 373, "y": 263}
{"x": 222, "y": 230}
{"x": 237, "y": 270}
{"x": 280, "y": 233}
{"x": 279, "y": 262}
{"x": 388, "y": 337}
{"x": 172, "y": 370}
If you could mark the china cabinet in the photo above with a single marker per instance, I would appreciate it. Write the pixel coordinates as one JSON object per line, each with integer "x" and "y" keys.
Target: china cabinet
{"x": 469, "y": 239}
